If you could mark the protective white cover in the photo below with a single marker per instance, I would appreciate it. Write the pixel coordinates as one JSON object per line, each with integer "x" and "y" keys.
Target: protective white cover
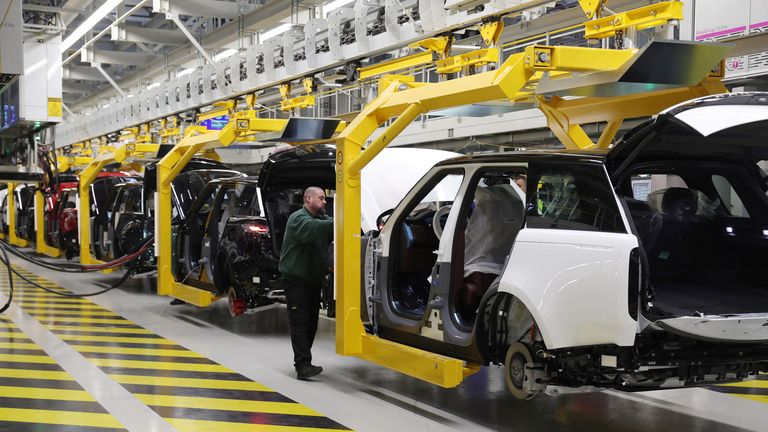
{"x": 390, "y": 176}
{"x": 491, "y": 230}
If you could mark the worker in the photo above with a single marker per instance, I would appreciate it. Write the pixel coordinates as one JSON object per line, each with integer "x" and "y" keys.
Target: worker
{"x": 303, "y": 260}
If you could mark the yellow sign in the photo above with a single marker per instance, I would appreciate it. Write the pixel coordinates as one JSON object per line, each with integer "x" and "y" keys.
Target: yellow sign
{"x": 54, "y": 107}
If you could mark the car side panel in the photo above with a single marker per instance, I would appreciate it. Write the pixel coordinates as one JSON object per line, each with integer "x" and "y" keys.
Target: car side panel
{"x": 575, "y": 284}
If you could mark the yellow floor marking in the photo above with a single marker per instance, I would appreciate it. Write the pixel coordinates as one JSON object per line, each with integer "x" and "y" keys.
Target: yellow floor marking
{"x": 139, "y": 364}
{"x": 160, "y": 352}
{"x": 59, "y": 417}
{"x": 24, "y": 358}
{"x": 38, "y": 298}
{"x": 25, "y": 304}
{"x": 227, "y": 404}
{"x": 89, "y": 313}
{"x": 116, "y": 339}
{"x": 46, "y": 393}
{"x": 752, "y": 384}
{"x": 13, "y": 332}
{"x": 125, "y": 330}
{"x": 35, "y": 374}
{"x": 214, "y": 426}
{"x": 82, "y": 320}
{"x": 7, "y": 324}
{"x": 756, "y": 398}
{"x": 19, "y": 345}
{"x": 190, "y": 382}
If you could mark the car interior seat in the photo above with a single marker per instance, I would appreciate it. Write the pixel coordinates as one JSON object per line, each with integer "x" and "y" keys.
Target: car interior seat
{"x": 490, "y": 234}
{"x": 674, "y": 251}
{"x": 648, "y": 221}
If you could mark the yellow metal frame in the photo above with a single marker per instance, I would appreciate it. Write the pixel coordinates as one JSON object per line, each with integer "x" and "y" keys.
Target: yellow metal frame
{"x": 512, "y": 81}
{"x": 11, "y": 200}
{"x": 194, "y": 141}
{"x": 398, "y": 64}
{"x": 463, "y": 61}
{"x": 41, "y": 246}
{"x": 641, "y": 18}
{"x": 86, "y": 178}
{"x": 304, "y": 101}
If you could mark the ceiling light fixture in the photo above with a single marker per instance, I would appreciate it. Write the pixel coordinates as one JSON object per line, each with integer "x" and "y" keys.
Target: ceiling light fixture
{"x": 89, "y": 23}
{"x": 225, "y": 54}
{"x": 269, "y": 34}
{"x": 185, "y": 72}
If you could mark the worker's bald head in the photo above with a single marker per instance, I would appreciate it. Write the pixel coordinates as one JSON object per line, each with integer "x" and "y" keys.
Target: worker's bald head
{"x": 314, "y": 200}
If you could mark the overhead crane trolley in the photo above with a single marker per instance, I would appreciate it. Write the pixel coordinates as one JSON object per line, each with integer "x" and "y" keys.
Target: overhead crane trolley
{"x": 612, "y": 88}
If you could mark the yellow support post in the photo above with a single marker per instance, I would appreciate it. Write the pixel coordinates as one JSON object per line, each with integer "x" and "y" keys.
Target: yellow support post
{"x": 86, "y": 178}
{"x": 609, "y": 133}
{"x": 41, "y": 246}
{"x": 12, "y": 237}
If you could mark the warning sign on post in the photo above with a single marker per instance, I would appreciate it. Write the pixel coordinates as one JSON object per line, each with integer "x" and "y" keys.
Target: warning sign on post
{"x": 54, "y": 107}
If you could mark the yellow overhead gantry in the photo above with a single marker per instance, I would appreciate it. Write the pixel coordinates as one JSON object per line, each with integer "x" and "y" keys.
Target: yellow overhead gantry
{"x": 195, "y": 140}
{"x": 87, "y": 177}
{"x": 515, "y": 80}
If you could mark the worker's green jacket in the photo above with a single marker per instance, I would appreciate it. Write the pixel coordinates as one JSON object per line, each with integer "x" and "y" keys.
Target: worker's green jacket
{"x": 305, "y": 246}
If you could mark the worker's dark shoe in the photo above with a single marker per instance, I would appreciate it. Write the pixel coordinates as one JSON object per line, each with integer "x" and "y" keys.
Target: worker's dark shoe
{"x": 308, "y": 372}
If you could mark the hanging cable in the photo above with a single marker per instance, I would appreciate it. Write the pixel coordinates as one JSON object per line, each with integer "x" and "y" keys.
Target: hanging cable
{"x": 7, "y": 263}
{"x": 79, "y": 268}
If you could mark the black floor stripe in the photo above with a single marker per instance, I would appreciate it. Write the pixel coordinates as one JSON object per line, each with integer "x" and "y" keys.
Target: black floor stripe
{"x": 40, "y": 383}
{"x": 62, "y": 321}
{"x": 741, "y": 390}
{"x": 70, "y": 316}
{"x": 29, "y": 366}
{"x": 248, "y": 417}
{"x": 50, "y": 308}
{"x": 105, "y": 334}
{"x": 251, "y": 395}
{"x": 22, "y": 351}
{"x": 47, "y": 404}
{"x": 6, "y": 426}
{"x": 224, "y": 376}
{"x": 14, "y": 337}
{"x": 152, "y": 358}
{"x": 142, "y": 345}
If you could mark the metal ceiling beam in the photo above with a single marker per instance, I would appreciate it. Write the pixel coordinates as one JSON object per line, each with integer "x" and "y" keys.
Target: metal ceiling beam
{"x": 264, "y": 17}
{"x": 82, "y": 73}
{"x": 116, "y": 57}
{"x": 204, "y": 8}
{"x": 72, "y": 9}
{"x": 70, "y": 87}
{"x": 128, "y": 33}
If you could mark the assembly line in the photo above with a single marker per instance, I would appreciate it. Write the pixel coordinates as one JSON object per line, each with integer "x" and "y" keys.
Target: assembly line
{"x": 590, "y": 257}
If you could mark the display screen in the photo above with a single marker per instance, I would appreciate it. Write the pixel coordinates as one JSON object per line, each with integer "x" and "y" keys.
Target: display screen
{"x": 9, "y": 103}
{"x": 215, "y": 123}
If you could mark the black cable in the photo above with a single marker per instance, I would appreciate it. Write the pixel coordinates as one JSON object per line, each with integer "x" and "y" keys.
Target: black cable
{"x": 79, "y": 268}
{"x": 7, "y": 262}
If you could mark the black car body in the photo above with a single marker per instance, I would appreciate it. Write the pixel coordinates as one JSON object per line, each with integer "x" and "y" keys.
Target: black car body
{"x": 132, "y": 217}
{"x": 230, "y": 242}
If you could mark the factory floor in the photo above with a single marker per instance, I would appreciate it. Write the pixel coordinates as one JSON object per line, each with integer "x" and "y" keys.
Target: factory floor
{"x": 128, "y": 360}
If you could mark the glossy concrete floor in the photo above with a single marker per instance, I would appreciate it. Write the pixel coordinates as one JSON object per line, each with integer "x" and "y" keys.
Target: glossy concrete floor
{"x": 351, "y": 393}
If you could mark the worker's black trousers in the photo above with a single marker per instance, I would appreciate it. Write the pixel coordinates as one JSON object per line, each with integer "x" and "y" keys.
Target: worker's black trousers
{"x": 303, "y": 309}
